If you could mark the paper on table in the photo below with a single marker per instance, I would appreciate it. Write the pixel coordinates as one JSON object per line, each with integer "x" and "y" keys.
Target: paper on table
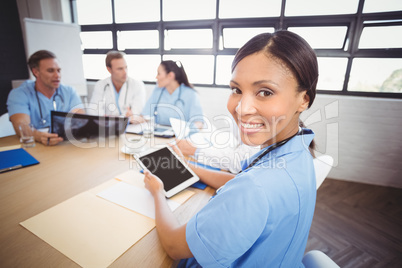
{"x": 134, "y": 198}
{"x": 89, "y": 230}
{"x": 92, "y": 231}
{"x": 134, "y": 177}
{"x": 136, "y": 128}
{"x": 11, "y": 147}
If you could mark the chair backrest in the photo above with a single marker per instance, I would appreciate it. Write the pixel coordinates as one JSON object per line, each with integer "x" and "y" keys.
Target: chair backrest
{"x": 6, "y": 128}
{"x": 318, "y": 259}
{"x": 322, "y": 166}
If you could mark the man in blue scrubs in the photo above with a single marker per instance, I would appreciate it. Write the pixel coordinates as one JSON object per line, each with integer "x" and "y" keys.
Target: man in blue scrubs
{"x": 32, "y": 102}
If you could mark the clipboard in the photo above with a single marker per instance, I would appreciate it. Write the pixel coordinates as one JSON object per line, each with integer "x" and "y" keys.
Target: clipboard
{"x": 15, "y": 159}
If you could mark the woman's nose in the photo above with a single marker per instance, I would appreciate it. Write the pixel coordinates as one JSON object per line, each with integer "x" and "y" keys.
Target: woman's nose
{"x": 245, "y": 106}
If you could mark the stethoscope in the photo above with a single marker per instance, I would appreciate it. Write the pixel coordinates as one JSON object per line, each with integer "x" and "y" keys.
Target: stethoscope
{"x": 179, "y": 100}
{"x": 43, "y": 121}
{"x": 125, "y": 95}
{"x": 302, "y": 131}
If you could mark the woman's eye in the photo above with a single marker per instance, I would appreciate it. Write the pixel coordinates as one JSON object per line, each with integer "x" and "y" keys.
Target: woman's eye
{"x": 235, "y": 90}
{"x": 264, "y": 93}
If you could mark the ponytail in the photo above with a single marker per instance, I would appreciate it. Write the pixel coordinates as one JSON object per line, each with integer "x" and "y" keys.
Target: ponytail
{"x": 312, "y": 145}
{"x": 177, "y": 68}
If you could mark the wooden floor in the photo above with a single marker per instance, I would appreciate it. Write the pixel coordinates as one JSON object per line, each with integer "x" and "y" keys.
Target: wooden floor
{"x": 358, "y": 225}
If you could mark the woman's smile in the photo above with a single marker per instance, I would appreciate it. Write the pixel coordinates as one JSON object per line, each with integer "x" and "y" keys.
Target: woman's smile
{"x": 250, "y": 127}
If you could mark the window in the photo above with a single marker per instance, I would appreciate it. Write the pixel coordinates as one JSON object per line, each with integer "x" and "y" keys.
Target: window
{"x": 376, "y": 75}
{"x": 101, "y": 39}
{"x": 199, "y": 38}
{"x": 86, "y": 14}
{"x": 249, "y": 8}
{"x": 136, "y": 10}
{"x": 320, "y": 7}
{"x": 199, "y": 68}
{"x": 331, "y": 73}
{"x": 322, "y": 37}
{"x": 137, "y": 39}
{"x": 143, "y": 67}
{"x": 94, "y": 66}
{"x": 174, "y": 10}
{"x": 384, "y": 5}
{"x": 224, "y": 67}
{"x": 381, "y": 37}
{"x": 358, "y": 42}
{"x": 237, "y": 37}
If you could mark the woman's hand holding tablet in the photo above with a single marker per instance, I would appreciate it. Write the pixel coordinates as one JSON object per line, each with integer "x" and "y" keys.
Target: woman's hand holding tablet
{"x": 169, "y": 168}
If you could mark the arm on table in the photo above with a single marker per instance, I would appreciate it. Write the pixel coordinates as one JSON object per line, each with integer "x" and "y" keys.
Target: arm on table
{"x": 213, "y": 178}
{"x": 42, "y": 137}
{"x": 171, "y": 234}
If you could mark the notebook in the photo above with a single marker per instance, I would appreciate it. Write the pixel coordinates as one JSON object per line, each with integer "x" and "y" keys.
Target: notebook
{"x": 14, "y": 159}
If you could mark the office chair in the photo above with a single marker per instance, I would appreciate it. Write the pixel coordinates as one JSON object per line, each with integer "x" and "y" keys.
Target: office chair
{"x": 318, "y": 259}
{"x": 6, "y": 128}
{"x": 322, "y": 166}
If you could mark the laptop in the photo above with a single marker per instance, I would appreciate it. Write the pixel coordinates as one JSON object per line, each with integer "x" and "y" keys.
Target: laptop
{"x": 80, "y": 126}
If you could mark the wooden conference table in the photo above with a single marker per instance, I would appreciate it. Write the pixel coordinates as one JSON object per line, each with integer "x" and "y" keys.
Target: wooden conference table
{"x": 64, "y": 171}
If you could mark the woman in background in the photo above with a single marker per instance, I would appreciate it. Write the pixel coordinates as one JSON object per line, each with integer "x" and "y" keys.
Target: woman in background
{"x": 173, "y": 97}
{"x": 262, "y": 216}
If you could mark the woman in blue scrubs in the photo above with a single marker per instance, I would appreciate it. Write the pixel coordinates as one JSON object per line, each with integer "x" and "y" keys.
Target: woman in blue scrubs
{"x": 262, "y": 216}
{"x": 173, "y": 97}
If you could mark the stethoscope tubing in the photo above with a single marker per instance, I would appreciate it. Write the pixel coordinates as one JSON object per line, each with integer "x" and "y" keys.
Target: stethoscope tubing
{"x": 125, "y": 95}
{"x": 179, "y": 100}
{"x": 43, "y": 120}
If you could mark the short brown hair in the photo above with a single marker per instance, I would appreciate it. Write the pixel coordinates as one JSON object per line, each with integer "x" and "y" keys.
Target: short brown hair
{"x": 34, "y": 59}
{"x": 111, "y": 55}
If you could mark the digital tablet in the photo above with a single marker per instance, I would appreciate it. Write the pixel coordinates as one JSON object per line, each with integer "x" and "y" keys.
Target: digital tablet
{"x": 164, "y": 163}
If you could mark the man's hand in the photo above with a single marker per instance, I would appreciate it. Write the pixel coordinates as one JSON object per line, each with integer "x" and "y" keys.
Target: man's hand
{"x": 47, "y": 138}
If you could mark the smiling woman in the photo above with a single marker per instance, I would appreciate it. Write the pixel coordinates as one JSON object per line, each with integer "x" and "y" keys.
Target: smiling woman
{"x": 262, "y": 216}
{"x": 271, "y": 87}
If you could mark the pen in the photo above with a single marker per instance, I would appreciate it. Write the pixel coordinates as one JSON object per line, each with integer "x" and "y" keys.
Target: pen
{"x": 10, "y": 168}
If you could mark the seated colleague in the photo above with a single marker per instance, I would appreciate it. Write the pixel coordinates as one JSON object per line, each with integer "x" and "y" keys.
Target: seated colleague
{"x": 33, "y": 100}
{"x": 173, "y": 97}
{"x": 118, "y": 94}
{"x": 261, "y": 217}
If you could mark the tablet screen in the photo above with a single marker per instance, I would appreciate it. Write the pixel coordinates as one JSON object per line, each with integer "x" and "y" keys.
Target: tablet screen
{"x": 167, "y": 167}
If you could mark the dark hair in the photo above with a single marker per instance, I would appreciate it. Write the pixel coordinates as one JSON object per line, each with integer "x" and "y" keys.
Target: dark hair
{"x": 34, "y": 59}
{"x": 294, "y": 52}
{"x": 111, "y": 55}
{"x": 177, "y": 68}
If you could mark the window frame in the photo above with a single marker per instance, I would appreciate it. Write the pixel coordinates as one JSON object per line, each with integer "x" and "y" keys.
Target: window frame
{"x": 354, "y": 23}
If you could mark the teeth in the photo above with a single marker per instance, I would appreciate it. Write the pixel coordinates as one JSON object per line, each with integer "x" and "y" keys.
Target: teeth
{"x": 251, "y": 125}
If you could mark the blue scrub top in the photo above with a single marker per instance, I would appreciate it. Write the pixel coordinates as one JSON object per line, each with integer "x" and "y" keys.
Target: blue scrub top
{"x": 183, "y": 104}
{"x": 262, "y": 217}
{"x": 23, "y": 100}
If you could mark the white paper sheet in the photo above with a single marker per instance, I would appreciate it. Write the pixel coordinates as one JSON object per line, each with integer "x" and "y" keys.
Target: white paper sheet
{"x": 134, "y": 198}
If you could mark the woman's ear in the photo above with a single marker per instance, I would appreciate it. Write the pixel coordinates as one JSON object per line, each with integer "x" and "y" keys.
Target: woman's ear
{"x": 304, "y": 101}
{"x": 172, "y": 75}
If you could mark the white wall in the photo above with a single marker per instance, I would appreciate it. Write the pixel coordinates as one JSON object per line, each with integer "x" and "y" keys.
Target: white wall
{"x": 55, "y": 10}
